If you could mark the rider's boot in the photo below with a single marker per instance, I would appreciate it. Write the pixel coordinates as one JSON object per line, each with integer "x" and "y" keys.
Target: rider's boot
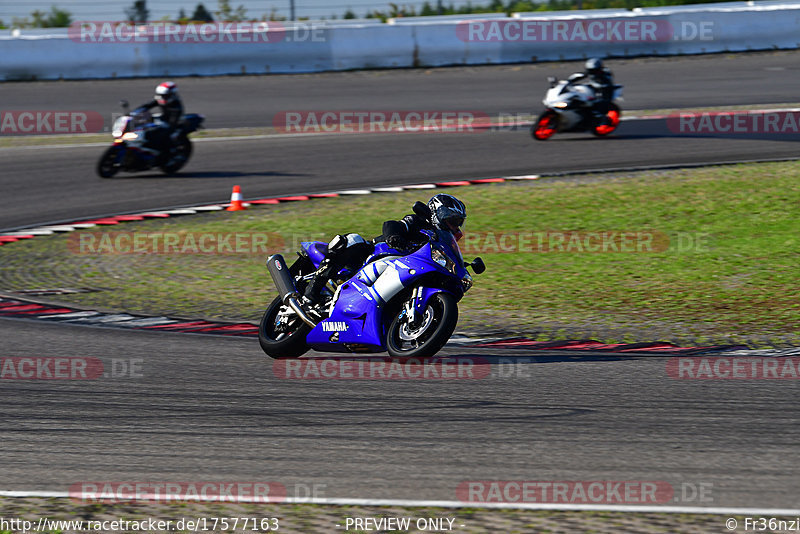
{"x": 314, "y": 289}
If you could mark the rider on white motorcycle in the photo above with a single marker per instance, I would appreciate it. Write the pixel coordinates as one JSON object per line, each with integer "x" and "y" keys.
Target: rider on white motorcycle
{"x": 601, "y": 80}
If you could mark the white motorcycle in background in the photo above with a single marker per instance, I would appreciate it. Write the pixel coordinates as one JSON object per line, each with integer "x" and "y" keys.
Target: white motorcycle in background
{"x": 568, "y": 108}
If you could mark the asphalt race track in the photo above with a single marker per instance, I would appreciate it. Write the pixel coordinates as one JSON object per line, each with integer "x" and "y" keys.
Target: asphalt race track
{"x": 211, "y": 408}
{"x": 229, "y": 102}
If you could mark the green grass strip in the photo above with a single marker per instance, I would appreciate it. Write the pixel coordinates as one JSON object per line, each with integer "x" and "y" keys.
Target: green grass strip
{"x": 722, "y": 265}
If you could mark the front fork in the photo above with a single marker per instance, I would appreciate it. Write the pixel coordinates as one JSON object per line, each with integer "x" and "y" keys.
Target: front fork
{"x": 415, "y": 306}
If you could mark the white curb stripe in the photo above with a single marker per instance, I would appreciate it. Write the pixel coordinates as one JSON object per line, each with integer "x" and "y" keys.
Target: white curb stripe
{"x": 458, "y": 504}
{"x": 115, "y": 318}
{"x": 73, "y": 315}
{"x": 149, "y": 321}
{"x": 354, "y": 192}
{"x": 63, "y": 228}
{"x": 420, "y": 186}
{"x": 186, "y": 211}
{"x": 32, "y": 231}
{"x": 387, "y": 189}
{"x": 216, "y": 207}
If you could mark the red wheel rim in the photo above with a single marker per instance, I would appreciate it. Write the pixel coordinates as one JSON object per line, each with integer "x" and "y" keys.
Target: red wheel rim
{"x": 545, "y": 127}
{"x": 613, "y": 117}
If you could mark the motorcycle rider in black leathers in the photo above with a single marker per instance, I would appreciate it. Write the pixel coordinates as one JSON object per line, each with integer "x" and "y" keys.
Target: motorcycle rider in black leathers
{"x": 601, "y": 80}
{"x": 169, "y": 102}
{"x": 351, "y": 250}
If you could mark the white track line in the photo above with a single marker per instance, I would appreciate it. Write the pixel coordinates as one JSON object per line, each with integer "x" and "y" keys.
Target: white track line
{"x": 721, "y": 510}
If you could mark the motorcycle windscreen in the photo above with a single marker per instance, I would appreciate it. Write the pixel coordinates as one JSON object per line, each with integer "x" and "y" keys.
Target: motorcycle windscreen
{"x": 450, "y": 245}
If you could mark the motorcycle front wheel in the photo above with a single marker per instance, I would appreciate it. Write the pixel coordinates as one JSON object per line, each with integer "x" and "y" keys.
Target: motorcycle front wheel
{"x": 545, "y": 126}
{"x": 428, "y": 334}
{"x": 108, "y": 165}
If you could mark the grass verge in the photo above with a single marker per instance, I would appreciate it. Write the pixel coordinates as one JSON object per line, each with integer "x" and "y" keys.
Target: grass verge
{"x": 721, "y": 265}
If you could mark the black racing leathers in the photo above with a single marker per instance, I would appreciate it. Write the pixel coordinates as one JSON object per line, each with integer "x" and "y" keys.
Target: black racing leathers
{"x": 171, "y": 114}
{"x": 603, "y": 83}
{"x": 406, "y": 232}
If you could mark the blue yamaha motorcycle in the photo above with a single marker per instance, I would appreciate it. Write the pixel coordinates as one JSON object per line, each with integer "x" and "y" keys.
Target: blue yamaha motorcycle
{"x": 405, "y": 304}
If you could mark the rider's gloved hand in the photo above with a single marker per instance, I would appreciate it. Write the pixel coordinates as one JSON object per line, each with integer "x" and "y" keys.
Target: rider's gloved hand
{"x": 396, "y": 241}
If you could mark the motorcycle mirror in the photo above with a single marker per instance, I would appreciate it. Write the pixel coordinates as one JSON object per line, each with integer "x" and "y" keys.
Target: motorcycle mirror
{"x": 124, "y": 104}
{"x": 478, "y": 266}
{"x": 552, "y": 81}
{"x": 422, "y": 210}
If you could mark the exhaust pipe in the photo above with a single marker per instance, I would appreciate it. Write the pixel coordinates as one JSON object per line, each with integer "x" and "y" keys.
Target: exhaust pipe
{"x": 284, "y": 281}
{"x": 293, "y": 304}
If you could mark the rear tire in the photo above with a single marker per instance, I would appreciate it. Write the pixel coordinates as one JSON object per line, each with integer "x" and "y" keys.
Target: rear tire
{"x": 613, "y": 116}
{"x": 180, "y": 156}
{"x": 545, "y": 126}
{"x": 428, "y": 339}
{"x": 108, "y": 165}
{"x": 281, "y": 345}
{"x": 294, "y": 344}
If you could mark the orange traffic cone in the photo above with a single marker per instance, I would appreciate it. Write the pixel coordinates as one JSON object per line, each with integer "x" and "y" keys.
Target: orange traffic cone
{"x": 236, "y": 200}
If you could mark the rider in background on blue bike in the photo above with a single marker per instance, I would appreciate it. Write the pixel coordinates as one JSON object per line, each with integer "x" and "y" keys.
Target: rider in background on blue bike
{"x": 351, "y": 250}
{"x": 169, "y": 103}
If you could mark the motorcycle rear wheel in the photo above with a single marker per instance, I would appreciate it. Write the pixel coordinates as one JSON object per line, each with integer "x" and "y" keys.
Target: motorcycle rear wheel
{"x": 180, "y": 156}
{"x": 108, "y": 166}
{"x": 281, "y": 345}
{"x": 426, "y": 339}
{"x": 613, "y": 117}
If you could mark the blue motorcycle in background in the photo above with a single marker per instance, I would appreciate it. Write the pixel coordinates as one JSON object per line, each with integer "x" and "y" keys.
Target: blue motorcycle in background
{"x": 406, "y": 304}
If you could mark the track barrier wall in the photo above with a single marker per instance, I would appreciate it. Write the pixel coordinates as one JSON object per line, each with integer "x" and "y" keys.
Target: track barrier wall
{"x": 316, "y": 46}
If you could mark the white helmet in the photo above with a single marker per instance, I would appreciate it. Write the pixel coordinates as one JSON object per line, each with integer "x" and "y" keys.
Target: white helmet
{"x": 166, "y": 93}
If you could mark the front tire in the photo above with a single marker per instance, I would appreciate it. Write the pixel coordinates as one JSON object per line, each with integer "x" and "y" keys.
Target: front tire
{"x": 109, "y": 165}
{"x": 288, "y": 343}
{"x": 545, "y": 126}
{"x": 179, "y": 157}
{"x": 429, "y": 336}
